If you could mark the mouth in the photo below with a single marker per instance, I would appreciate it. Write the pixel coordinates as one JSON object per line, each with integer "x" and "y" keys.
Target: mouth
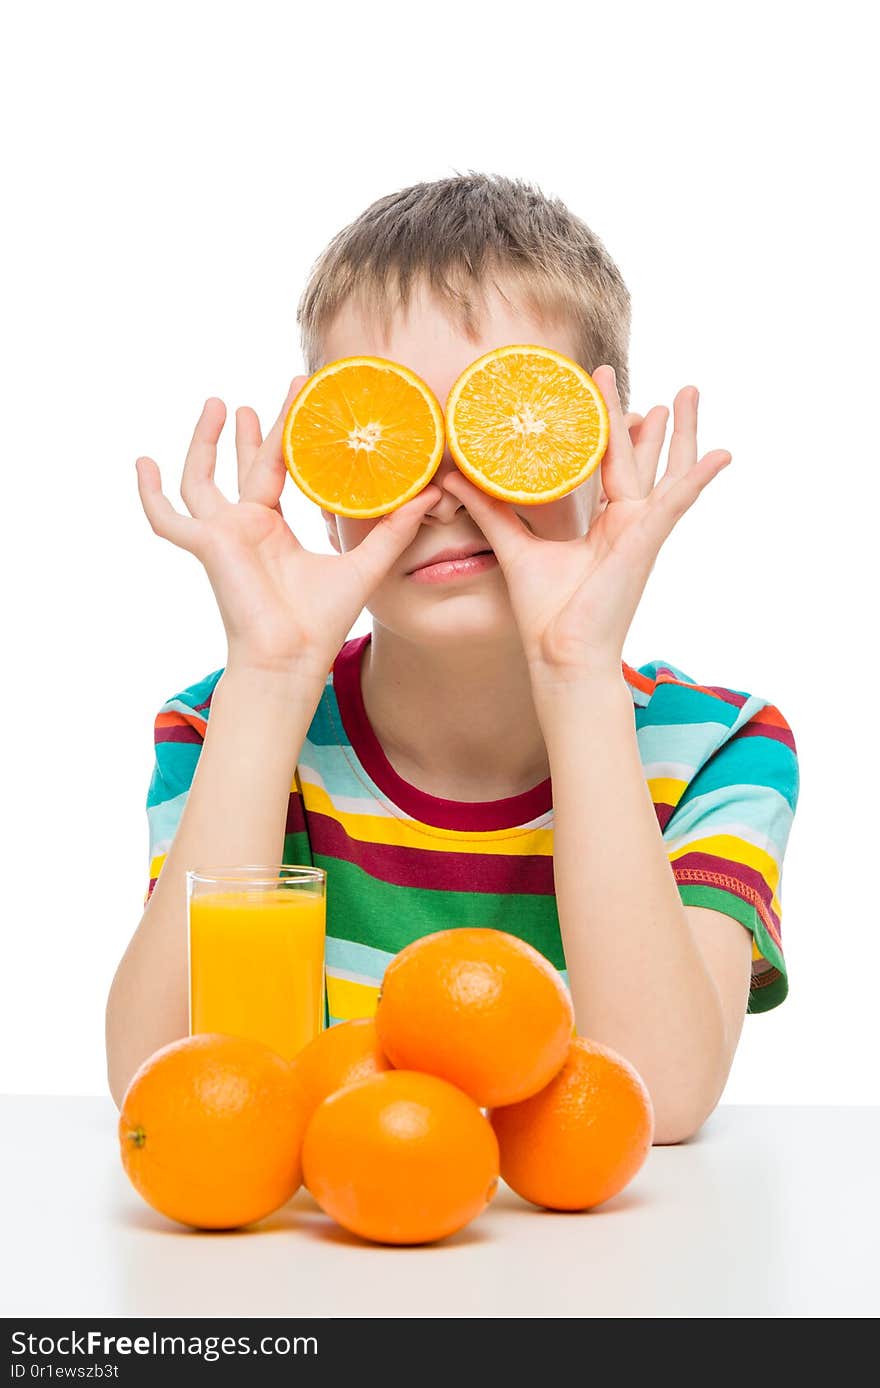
{"x": 458, "y": 567}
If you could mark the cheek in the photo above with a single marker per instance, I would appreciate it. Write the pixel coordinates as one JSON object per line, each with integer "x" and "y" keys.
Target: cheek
{"x": 352, "y": 531}
{"x": 564, "y": 519}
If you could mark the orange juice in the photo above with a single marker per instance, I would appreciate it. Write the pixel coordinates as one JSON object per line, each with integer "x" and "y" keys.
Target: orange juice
{"x": 257, "y": 965}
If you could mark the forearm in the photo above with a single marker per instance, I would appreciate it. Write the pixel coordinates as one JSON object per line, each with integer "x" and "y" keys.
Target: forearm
{"x": 235, "y": 812}
{"x": 637, "y": 977}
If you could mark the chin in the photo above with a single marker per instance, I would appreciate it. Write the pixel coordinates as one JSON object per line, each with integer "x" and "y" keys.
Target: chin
{"x": 462, "y": 618}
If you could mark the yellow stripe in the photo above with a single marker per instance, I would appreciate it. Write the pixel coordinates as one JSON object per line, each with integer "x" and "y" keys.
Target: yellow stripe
{"x": 666, "y": 791}
{"x": 348, "y": 1000}
{"x": 367, "y": 828}
{"x": 737, "y": 849}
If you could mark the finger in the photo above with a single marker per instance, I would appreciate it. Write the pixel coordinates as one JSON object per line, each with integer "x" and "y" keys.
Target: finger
{"x": 502, "y": 527}
{"x": 248, "y": 441}
{"x": 632, "y": 421}
{"x": 683, "y": 444}
{"x": 248, "y": 438}
{"x": 673, "y": 496}
{"x": 620, "y": 478}
{"x": 387, "y": 540}
{"x": 268, "y": 471}
{"x": 181, "y": 530}
{"x": 650, "y": 445}
{"x": 198, "y": 489}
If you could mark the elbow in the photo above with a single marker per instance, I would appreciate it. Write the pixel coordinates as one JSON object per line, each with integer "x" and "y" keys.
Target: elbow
{"x": 669, "y": 1133}
{"x": 117, "y": 1069}
{"x": 681, "y": 1111}
{"x": 116, "y": 1083}
{"x": 676, "y": 1122}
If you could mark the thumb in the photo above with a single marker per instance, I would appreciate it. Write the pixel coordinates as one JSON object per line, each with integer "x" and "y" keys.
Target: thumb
{"x": 388, "y": 539}
{"x": 502, "y": 527}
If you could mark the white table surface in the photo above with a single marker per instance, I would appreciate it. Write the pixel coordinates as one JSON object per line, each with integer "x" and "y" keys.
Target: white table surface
{"x": 769, "y": 1211}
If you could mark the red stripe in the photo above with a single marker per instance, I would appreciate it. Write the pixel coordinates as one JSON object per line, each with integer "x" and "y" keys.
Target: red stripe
{"x": 756, "y": 727}
{"x": 729, "y": 696}
{"x": 296, "y": 818}
{"x": 177, "y": 732}
{"x": 742, "y": 880}
{"x": 500, "y": 873}
{"x": 462, "y": 815}
{"x": 633, "y": 677}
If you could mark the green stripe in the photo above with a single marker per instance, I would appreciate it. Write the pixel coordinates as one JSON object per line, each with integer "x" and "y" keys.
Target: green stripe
{"x": 717, "y": 899}
{"x": 388, "y": 917}
{"x": 298, "y": 850}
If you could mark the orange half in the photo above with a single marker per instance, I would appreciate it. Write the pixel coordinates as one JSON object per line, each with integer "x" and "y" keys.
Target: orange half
{"x": 363, "y": 436}
{"x": 526, "y": 424}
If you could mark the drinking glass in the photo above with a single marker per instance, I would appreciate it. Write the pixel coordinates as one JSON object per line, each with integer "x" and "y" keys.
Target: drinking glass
{"x": 256, "y": 953}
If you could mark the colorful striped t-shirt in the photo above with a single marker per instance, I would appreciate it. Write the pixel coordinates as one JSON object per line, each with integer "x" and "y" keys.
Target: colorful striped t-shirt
{"x": 721, "y": 766}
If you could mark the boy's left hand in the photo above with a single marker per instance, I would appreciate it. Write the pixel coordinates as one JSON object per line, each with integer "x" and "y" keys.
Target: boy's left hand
{"x": 574, "y": 600}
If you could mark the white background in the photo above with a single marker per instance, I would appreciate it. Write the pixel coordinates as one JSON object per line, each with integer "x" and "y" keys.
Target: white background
{"x": 170, "y": 174}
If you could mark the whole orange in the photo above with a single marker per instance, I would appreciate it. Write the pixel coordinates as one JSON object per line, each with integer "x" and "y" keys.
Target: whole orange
{"x": 478, "y": 1007}
{"x": 584, "y": 1137}
{"x": 400, "y": 1158}
{"x": 338, "y": 1056}
{"x": 211, "y": 1129}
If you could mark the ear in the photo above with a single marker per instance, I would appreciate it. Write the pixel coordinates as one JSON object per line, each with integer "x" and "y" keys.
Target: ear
{"x": 599, "y": 499}
{"x": 330, "y": 521}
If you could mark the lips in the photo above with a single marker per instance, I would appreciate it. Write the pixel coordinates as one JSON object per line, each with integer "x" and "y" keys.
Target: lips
{"x": 463, "y": 552}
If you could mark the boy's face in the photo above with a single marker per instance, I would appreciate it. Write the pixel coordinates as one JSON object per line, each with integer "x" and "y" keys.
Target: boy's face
{"x": 433, "y": 346}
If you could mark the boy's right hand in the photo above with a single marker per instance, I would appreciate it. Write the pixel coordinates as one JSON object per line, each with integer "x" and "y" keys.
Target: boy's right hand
{"x": 284, "y": 607}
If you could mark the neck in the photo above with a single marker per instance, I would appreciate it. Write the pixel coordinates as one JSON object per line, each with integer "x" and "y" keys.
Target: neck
{"x": 459, "y": 724}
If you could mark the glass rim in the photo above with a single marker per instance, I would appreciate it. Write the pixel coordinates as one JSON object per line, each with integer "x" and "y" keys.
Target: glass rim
{"x": 266, "y": 874}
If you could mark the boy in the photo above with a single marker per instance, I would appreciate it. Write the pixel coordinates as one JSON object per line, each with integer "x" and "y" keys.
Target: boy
{"x": 414, "y": 764}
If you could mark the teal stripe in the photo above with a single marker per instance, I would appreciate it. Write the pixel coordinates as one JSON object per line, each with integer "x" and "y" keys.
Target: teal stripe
{"x": 671, "y": 706}
{"x": 760, "y": 807}
{"x": 750, "y": 761}
{"x": 337, "y": 773}
{"x": 174, "y": 768}
{"x": 194, "y": 694}
{"x": 175, "y": 762}
{"x": 357, "y": 958}
{"x": 163, "y": 820}
{"x": 685, "y": 742}
{"x": 326, "y": 729}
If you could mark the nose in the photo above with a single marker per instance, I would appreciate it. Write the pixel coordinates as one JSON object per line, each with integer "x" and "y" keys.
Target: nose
{"x": 447, "y": 506}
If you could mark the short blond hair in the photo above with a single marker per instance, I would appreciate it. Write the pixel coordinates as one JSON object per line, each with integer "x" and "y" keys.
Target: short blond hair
{"x": 459, "y": 234}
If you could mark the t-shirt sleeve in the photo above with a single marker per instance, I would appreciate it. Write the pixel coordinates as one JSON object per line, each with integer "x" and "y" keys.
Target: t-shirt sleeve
{"x": 178, "y": 735}
{"x": 727, "y": 836}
